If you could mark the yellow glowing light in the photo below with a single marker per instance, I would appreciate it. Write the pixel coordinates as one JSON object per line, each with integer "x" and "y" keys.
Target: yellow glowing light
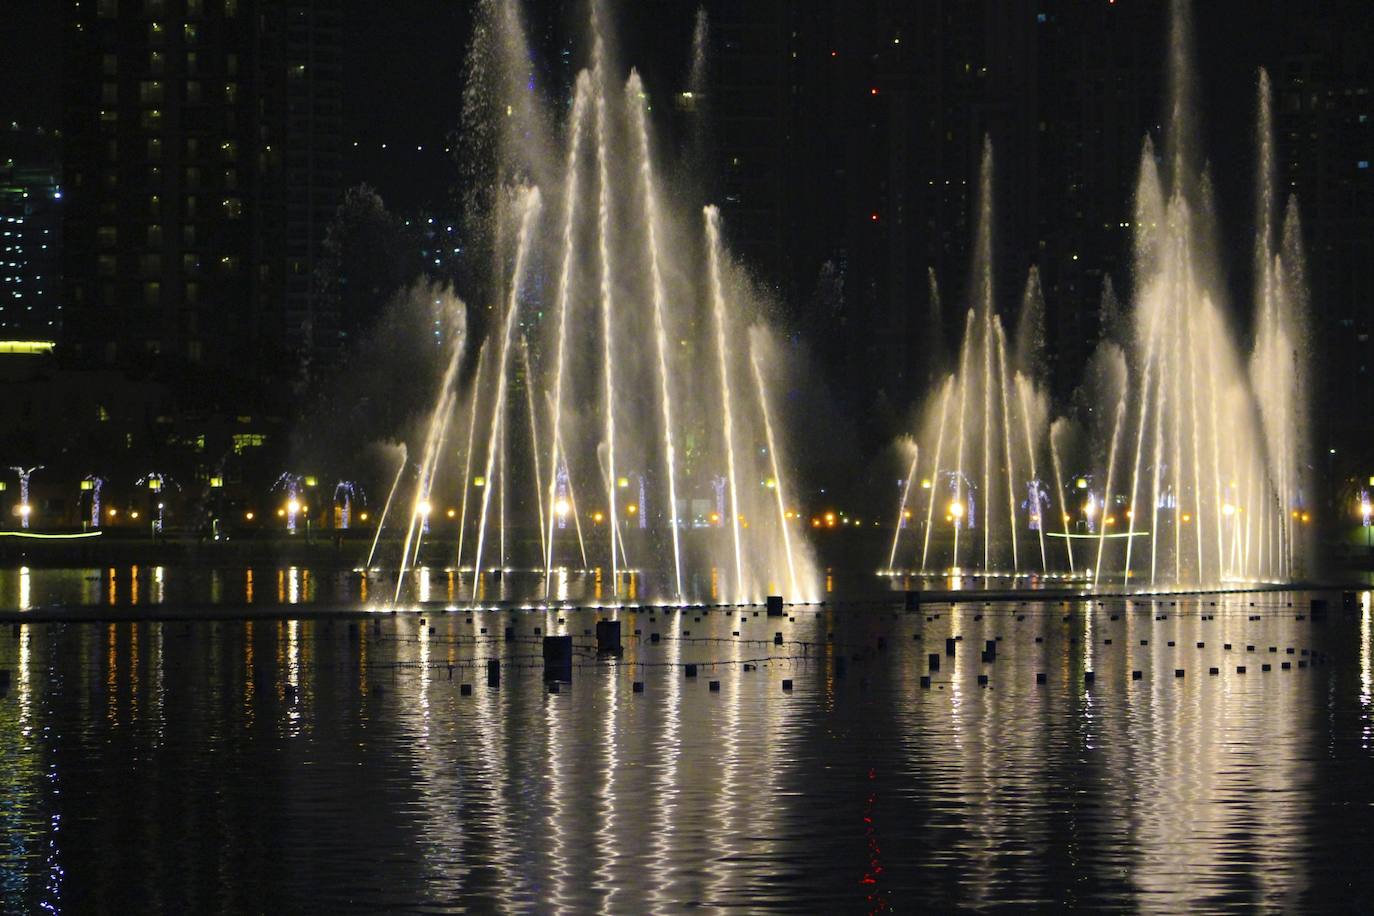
{"x": 770, "y": 483}
{"x": 622, "y": 482}
{"x": 311, "y": 481}
{"x": 216, "y": 483}
{"x": 632, "y": 508}
{"x": 1130, "y": 514}
{"x": 906, "y": 513}
{"x": 362, "y": 516}
{"x": 248, "y": 516}
{"x": 1187, "y": 518}
{"x": 113, "y": 512}
{"x": 1082, "y": 483}
{"x": 452, "y": 513}
{"x": 956, "y": 509}
{"x": 155, "y": 484}
{"x": 25, "y": 510}
{"x": 815, "y": 523}
{"x": 598, "y": 517}
{"x": 479, "y": 481}
{"x": 281, "y": 513}
{"x": 1110, "y": 520}
{"x": 561, "y": 507}
{"x": 1090, "y": 509}
{"x": 830, "y": 518}
{"x": 1306, "y": 518}
{"x": 293, "y": 506}
{"x": 423, "y": 507}
{"x": 1228, "y": 510}
{"x": 133, "y": 514}
{"x": 88, "y": 485}
{"x": 925, "y": 484}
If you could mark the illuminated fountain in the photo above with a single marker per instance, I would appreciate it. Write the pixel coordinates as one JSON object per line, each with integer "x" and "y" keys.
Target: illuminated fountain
{"x": 621, "y": 398}
{"x": 1187, "y": 457}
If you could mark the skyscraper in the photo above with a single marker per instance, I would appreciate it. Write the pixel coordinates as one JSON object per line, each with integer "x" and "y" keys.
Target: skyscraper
{"x": 202, "y": 165}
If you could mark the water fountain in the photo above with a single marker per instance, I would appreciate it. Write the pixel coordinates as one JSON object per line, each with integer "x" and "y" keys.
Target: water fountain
{"x": 623, "y": 374}
{"x": 1188, "y": 470}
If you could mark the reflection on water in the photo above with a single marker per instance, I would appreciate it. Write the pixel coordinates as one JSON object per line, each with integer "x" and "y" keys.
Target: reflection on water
{"x": 326, "y": 764}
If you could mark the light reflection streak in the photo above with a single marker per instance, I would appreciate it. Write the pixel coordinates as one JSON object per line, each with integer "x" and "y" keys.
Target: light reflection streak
{"x": 668, "y": 787}
{"x": 25, "y": 589}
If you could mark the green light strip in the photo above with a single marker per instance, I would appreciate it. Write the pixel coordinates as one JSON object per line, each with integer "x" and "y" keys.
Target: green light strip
{"x": 50, "y": 537}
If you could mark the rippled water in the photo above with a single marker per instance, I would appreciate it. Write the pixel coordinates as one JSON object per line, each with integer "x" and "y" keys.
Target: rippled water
{"x": 334, "y": 764}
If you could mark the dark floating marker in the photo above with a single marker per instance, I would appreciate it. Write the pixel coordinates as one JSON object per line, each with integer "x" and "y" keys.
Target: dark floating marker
{"x": 493, "y": 673}
{"x": 777, "y": 639}
{"x": 1202, "y": 645}
{"x": 1020, "y": 617}
{"x": 1302, "y": 663}
{"x": 1286, "y": 666}
{"x": 465, "y": 690}
{"x": 925, "y": 681}
{"x": 714, "y": 686}
{"x": 1039, "y": 639}
{"x": 1144, "y": 642}
{"x": 1136, "y": 675}
{"x": 1171, "y": 644}
{"x": 982, "y": 680}
{"x": 748, "y": 666}
{"x": 654, "y": 637}
{"x": 1266, "y": 667}
{"x": 553, "y": 687}
{"x": 949, "y": 646}
{"x": 1214, "y": 671}
{"x": 775, "y": 605}
{"x": 787, "y": 684}
{"x": 1249, "y": 648}
{"x": 1226, "y": 646}
{"x": 1178, "y": 672}
{"x": 608, "y": 637}
{"x": 913, "y": 600}
{"x": 1116, "y": 616}
{"x": 1240, "y": 669}
{"x": 1040, "y": 677}
{"x": 934, "y": 660}
{"x": 1089, "y": 677}
{"x": 637, "y": 686}
{"x": 558, "y": 656}
{"x": 689, "y": 670}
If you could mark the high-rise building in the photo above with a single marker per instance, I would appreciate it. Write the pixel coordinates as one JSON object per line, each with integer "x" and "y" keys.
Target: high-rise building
{"x": 30, "y": 235}
{"x": 202, "y": 167}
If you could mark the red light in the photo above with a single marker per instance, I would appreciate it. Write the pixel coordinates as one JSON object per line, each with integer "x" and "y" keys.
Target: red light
{"x": 873, "y": 91}
{"x": 834, "y": 53}
{"x": 874, "y": 217}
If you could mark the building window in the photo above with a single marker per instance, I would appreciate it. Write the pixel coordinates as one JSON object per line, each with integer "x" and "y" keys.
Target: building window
{"x": 195, "y": 8}
{"x": 155, "y": 149}
{"x": 107, "y": 9}
{"x": 154, "y": 7}
{"x": 192, "y": 293}
{"x": 112, "y": 150}
{"x": 109, "y": 93}
{"x": 190, "y": 263}
{"x": 151, "y": 119}
{"x": 152, "y": 293}
{"x": 192, "y": 147}
{"x": 231, "y": 8}
{"x": 155, "y": 235}
{"x": 193, "y": 92}
{"x": 233, "y": 207}
{"x": 156, "y": 61}
{"x": 191, "y": 207}
{"x": 231, "y": 93}
{"x": 189, "y": 31}
{"x": 192, "y": 178}
{"x": 188, "y": 234}
{"x": 107, "y": 236}
{"x": 193, "y": 355}
{"x": 231, "y": 64}
{"x": 105, "y": 265}
{"x": 109, "y": 64}
{"x": 154, "y": 205}
{"x": 150, "y": 92}
{"x": 150, "y": 265}
{"x": 156, "y": 31}
{"x": 191, "y": 62}
{"x": 231, "y": 179}
{"x": 229, "y": 149}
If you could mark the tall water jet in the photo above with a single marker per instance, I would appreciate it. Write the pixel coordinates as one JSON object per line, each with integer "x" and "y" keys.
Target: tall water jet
{"x": 386, "y": 508}
{"x": 528, "y": 203}
{"x": 898, "y": 525}
{"x": 635, "y": 90}
{"x": 467, "y": 453}
{"x": 935, "y": 470}
{"x": 1058, "y": 426}
{"x": 607, "y": 325}
{"x": 727, "y": 415}
{"x": 571, "y": 182}
{"x": 773, "y": 463}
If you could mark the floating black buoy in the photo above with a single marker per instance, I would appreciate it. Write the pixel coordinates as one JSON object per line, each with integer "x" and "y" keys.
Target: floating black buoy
{"x": 777, "y": 639}
{"x": 558, "y": 657}
{"x": 1266, "y": 667}
{"x": 553, "y": 687}
{"x": 912, "y": 600}
{"x": 1136, "y": 675}
{"x": 982, "y": 680}
{"x": 1178, "y": 672}
{"x": 934, "y": 662}
{"x": 949, "y": 646}
{"x": 689, "y": 670}
{"x": 654, "y": 637}
{"x": 608, "y": 637}
{"x": 787, "y": 684}
{"x": 1040, "y": 677}
{"x": 775, "y": 605}
{"x": 1202, "y": 645}
{"x": 493, "y": 673}
{"x": 1240, "y": 669}
{"x": 714, "y": 686}
{"x": 1089, "y": 677}
{"x": 637, "y": 686}
{"x": 1214, "y": 671}
{"x": 465, "y": 690}
{"x": 925, "y": 681}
